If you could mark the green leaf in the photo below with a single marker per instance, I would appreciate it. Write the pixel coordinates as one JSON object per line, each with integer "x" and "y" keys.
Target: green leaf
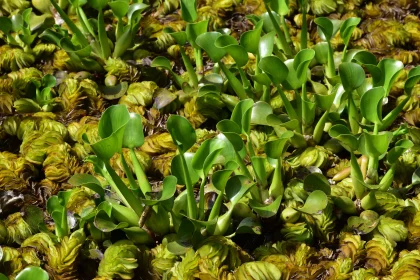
{"x": 415, "y": 179}
{"x": 6, "y": 25}
{"x": 111, "y": 129}
{"x": 133, "y": 134}
{"x": 31, "y": 273}
{"x": 206, "y": 156}
{"x": 88, "y": 181}
{"x": 374, "y": 145}
{"x": 390, "y": 69}
{"x": 206, "y": 42}
{"x": 230, "y": 45}
{"x": 266, "y": 211}
{"x": 268, "y": 25}
{"x": 275, "y": 69}
{"x": 229, "y": 126}
{"x": 180, "y": 37}
{"x": 275, "y": 149}
{"x": 48, "y": 81}
{"x": 345, "y": 204}
{"x": 260, "y": 111}
{"x": 325, "y": 102}
{"x": 240, "y": 114}
{"x": 250, "y": 40}
{"x": 292, "y": 82}
{"x": 315, "y": 203}
{"x": 161, "y": 61}
{"x": 104, "y": 222}
{"x": 280, "y": 6}
{"x": 17, "y": 22}
{"x": 193, "y": 30}
{"x": 237, "y": 187}
{"x": 343, "y": 134}
{"x": 327, "y": 28}
{"x": 188, "y": 10}
{"x": 168, "y": 191}
{"x": 133, "y": 12}
{"x": 138, "y": 235}
{"x": 178, "y": 171}
{"x": 114, "y": 92}
{"x": 235, "y": 139}
{"x": 413, "y": 79}
{"x": 266, "y": 45}
{"x": 220, "y": 179}
{"x": 98, "y": 4}
{"x": 400, "y": 147}
{"x": 119, "y": 8}
{"x": 365, "y": 57}
{"x": 364, "y": 224}
{"x": 249, "y": 225}
{"x": 316, "y": 181}
{"x": 352, "y": 75}
{"x": 347, "y": 28}
{"x": 4, "y": 277}
{"x": 321, "y": 52}
{"x": 301, "y": 63}
{"x": 182, "y": 132}
{"x": 371, "y": 104}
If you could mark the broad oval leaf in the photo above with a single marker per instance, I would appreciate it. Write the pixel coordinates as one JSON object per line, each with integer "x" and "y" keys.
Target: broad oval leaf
{"x": 228, "y": 126}
{"x": 317, "y": 181}
{"x": 400, "y": 147}
{"x": 352, "y": 75}
{"x": 89, "y": 181}
{"x": 98, "y": 4}
{"x": 250, "y": 40}
{"x": 301, "y": 63}
{"x": 180, "y": 37}
{"x": 163, "y": 62}
{"x": 347, "y": 28}
{"x": 193, "y": 30}
{"x": 345, "y": 204}
{"x": 264, "y": 210}
{"x": 374, "y": 145}
{"x": 276, "y": 148}
{"x": 206, "y": 42}
{"x": 32, "y": 273}
{"x": 168, "y": 191}
{"x": 119, "y": 8}
{"x": 178, "y": 171}
{"x": 390, "y": 69}
{"x": 413, "y": 79}
{"x": 315, "y": 203}
{"x": 240, "y": 114}
{"x": 189, "y": 10}
{"x": 237, "y": 187}
{"x": 206, "y": 155}
{"x": 182, "y": 132}
{"x": 260, "y": 111}
{"x": 321, "y": 52}
{"x": 133, "y": 134}
{"x": 266, "y": 45}
{"x": 230, "y": 45}
{"x": 5, "y": 25}
{"x": 365, "y": 57}
{"x": 275, "y": 68}
{"x": 327, "y": 28}
{"x": 371, "y": 104}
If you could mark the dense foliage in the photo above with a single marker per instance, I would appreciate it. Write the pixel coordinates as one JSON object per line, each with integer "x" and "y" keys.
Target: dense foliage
{"x": 209, "y": 139}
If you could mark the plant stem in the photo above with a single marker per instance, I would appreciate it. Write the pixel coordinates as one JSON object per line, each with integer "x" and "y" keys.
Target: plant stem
{"x": 373, "y": 163}
{"x": 343, "y": 57}
{"x": 128, "y": 173}
{"x": 199, "y": 62}
{"x": 145, "y": 186}
{"x": 277, "y": 188}
{"x": 201, "y": 203}
{"x": 283, "y": 43}
{"x": 319, "y": 128}
{"x": 330, "y": 71}
{"x": 103, "y": 38}
{"x": 304, "y": 31}
{"x": 285, "y": 29}
{"x": 234, "y": 82}
{"x": 192, "y": 206}
{"x": 266, "y": 94}
{"x": 246, "y": 83}
{"x": 289, "y": 108}
{"x": 120, "y": 28}
{"x": 258, "y": 87}
{"x": 353, "y": 115}
{"x": 189, "y": 67}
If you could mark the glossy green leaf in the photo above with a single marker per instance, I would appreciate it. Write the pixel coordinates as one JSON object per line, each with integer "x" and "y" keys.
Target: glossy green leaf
{"x": 138, "y": 235}
{"x": 365, "y": 57}
{"x": 317, "y": 181}
{"x": 206, "y": 42}
{"x": 325, "y": 101}
{"x": 260, "y": 111}
{"x": 6, "y": 25}
{"x": 161, "y": 61}
{"x": 220, "y": 179}
{"x": 266, "y": 45}
{"x": 32, "y": 273}
{"x": 275, "y": 69}
{"x": 133, "y": 11}
{"x": 292, "y": 82}
{"x": 98, "y": 4}
{"x": 258, "y": 164}
{"x": 250, "y": 40}
{"x": 321, "y": 52}
{"x": 235, "y": 139}
{"x": 4, "y": 277}
{"x": 48, "y": 81}
{"x": 133, "y": 134}
{"x": 88, "y": 181}
{"x": 364, "y": 224}
{"x": 178, "y": 171}
{"x": 345, "y": 204}
{"x": 17, "y": 22}
{"x": 111, "y": 129}
{"x": 193, "y": 30}
{"x": 231, "y": 47}
{"x": 400, "y": 147}
{"x": 374, "y": 145}
{"x": 280, "y": 6}
{"x": 415, "y": 179}
{"x": 182, "y": 132}
{"x": 352, "y": 75}
{"x": 347, "y": 28}
{"x": 390, "y": 69}
{"x": 189, "y": 10}
{"x": 268, "y": 25}
{"x": 413, "y": 79}
{"x": 229, "y": 126}
{"x": 264, "y": 210}
{"x": 105, "y": 223}
{"x": 315, "y": 203}
{"x": 371, "y": 105}
{"x": 275, "y": 149}
{"x": 327, "y": 28}
{"x": 262, "y": 78}
{"x": 114, "y": 92}
{"x": 119, "y": 8}
{"x": 237, "y": 187}
{"x": 168, "y": 191}
{"x": 206, "y": 156}
{"x": 301, "y": 63}
{"x": 249, "y": 226}
{"x": 240, "y": 114}
{"x": 343, "y": 134}
{"x": 180, "y": 37}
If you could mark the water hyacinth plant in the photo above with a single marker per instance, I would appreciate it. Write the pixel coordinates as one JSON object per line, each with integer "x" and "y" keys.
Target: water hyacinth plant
{"x": 209, "y": 139}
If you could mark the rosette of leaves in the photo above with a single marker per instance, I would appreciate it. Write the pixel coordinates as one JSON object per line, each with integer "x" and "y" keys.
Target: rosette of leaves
{"x": 311, "y": 156}
{"x": 299, "y": 232}
{"x": 162, "y": 260}
{"x": 352, "y": 246}
{"x": 187, "y": 268}
{"x": 6, "y": 103}
{"x": 139, "y": 94}
{"x": 407, "y": 265}
{"x": 258, "y": 270}
{"x": 361, "y": 273}
{"x": 9, "y": 7}
{"x": 158, "y": 144}
{"x": 14, "y": 171}
{"x": 35, "y": 144}
{"x": 62, "y": 255}
{"x": 19, "y": 226}
{"x": 20, "y": 80}
{"x": 380, "y": 254}
{"x": 119, "y": 260}
{"x": 13, "y": 261}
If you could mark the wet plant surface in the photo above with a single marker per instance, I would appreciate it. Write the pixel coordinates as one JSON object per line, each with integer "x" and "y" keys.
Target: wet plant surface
{"x": 209, "y": 139}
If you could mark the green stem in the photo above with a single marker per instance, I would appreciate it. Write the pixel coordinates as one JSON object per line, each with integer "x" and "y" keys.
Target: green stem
{"x": 234, "y": 82}
{"x": 215, "y": 210}
{"x": 386, "y": 181}
{"x": 304, "y": 95}
{"x": 246, "y": 83}
{"x": 390, "y": 118}
{"x": 251, "y": 151}
{"x": 285, "y": 29}
{"x": 289, "y": 108}
{"x": 330, "y": 71}
{"x": 103, "y": 38}
{"x": 353, "y": 114}
{"x": 199, "y": 62}
{"x": 189, "y": 67}
{"x": 277, "y": 188}
{"x": 283, "y": 43}
{"x": 79, "y": 35}
{"x": 120, "y": 28}
{"x": 357, "y": 177}
{"x": 258, "y": 87}
{"x": 319, "y": 128}
{"x": 373, "y": 163}
{"x": 304, "y": 31}
{"x": 343, "y": 57}
{"x": 83, "y": 19}
{"x": 201, "y": 203}
{"x": 266, "y": 94}
{"x": 128, "y": 173}
{"x": 191, "y": 204}
{"x": 145, "y": 186}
